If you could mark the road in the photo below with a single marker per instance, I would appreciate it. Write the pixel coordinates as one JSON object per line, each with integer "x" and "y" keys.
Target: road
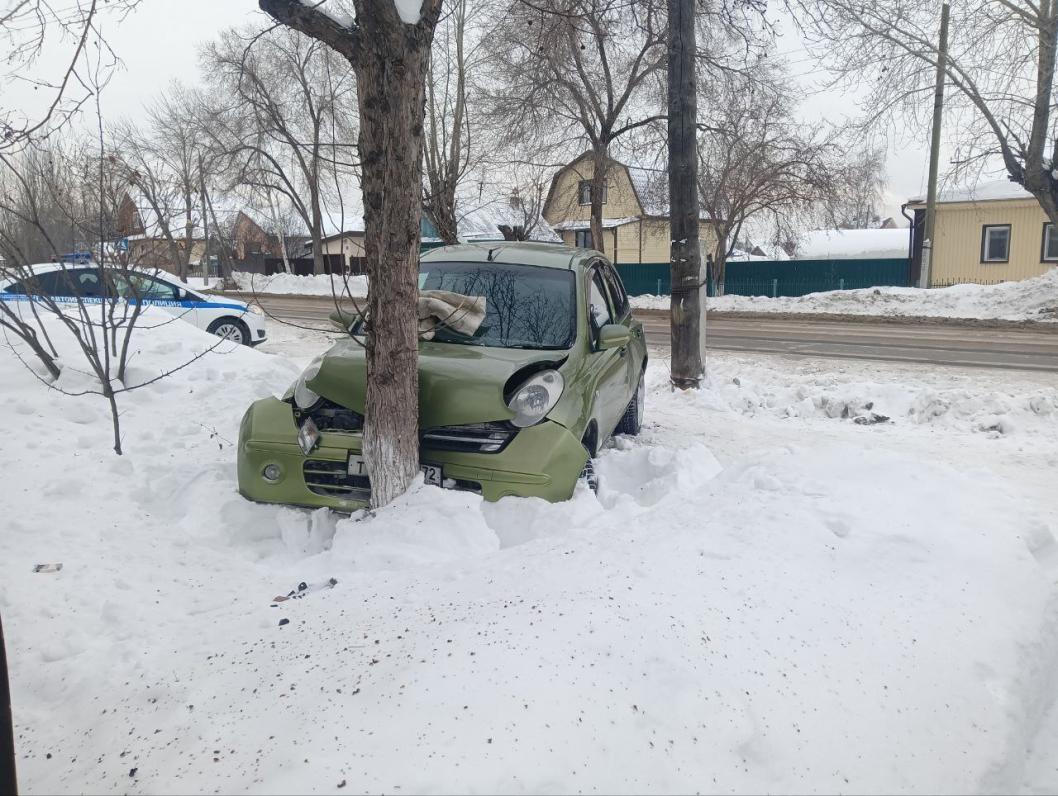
{"x": 1030, "y": 347}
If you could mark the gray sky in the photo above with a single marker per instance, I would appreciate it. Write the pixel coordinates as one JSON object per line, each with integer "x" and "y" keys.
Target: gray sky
{"x": 159, "y": 42}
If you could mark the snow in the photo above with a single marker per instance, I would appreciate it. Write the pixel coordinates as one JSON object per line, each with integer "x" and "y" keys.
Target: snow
{"x": 293, "y": 284}
{"x": 607, "y": 223}
{"x": 1028, "y": 300}
{"x": 986, "y": 191}
{"x": 765, "y": 596}
{"x": 856, "y": 244}
{"x": 410, "y": 11}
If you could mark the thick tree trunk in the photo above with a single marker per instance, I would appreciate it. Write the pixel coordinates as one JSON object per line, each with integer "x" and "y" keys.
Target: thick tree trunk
{"x": 8, "y": 780}
{"x": 390, "y": 82}
{"x": 600, "y": 168}
{"x": 442, "y": 212}
{"x": 687, "y": 304}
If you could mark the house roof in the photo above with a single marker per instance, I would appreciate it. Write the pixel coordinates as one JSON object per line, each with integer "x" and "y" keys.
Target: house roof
{"x": 995, "y": 190}
{"x": 480, "y": 219}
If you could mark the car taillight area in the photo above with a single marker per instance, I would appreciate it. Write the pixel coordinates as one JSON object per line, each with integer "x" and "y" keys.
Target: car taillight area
{"x": 471, "y": 438}
{"x": 329, "y": 416}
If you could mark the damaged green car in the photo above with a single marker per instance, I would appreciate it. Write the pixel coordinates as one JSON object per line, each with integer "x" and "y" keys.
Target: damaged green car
{"x": 518, "y": 404}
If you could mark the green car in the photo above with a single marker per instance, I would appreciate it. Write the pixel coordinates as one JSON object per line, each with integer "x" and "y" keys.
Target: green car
{"x": 518, "y": 407}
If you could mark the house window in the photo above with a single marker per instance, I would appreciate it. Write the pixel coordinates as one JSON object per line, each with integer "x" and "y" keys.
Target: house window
{"x": 995, "y": 243}
{"x": 1050, "y": 244}
{"x": 583, "y": 239}
{"x": 584, "y": 192}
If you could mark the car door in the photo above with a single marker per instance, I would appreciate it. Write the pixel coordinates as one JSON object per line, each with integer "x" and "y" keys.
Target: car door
{"x": 609, "y": 367}
{"x": 635, "y": 353}
{"x": 154, "y": 291}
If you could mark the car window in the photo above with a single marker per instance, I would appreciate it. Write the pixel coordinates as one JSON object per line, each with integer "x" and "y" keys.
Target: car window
{"x": 526, "y": 306}
{"x": 617, "y": 291}
{"x": 145, "y": 287}
{"x": 598, "y": 303}
{"x": 83, "y": 282}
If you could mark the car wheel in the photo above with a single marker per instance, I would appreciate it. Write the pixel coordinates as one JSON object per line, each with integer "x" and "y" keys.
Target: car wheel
{"x": 231, "y": 329}
{"x": 632, "y": 421}
{"x": 589, "y": 476}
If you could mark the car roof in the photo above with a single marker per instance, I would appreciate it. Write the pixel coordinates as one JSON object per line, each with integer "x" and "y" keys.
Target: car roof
{"x": 547, "y": 255}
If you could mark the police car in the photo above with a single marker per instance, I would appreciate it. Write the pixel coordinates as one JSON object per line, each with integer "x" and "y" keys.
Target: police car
{"x": 66, "y": 282}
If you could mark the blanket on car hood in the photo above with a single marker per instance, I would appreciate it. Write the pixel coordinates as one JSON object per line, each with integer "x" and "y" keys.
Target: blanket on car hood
{"x": 441, "y": 309}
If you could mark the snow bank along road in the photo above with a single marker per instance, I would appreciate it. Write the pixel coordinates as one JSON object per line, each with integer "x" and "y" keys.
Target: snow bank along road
{"x": 1032, "y": 347}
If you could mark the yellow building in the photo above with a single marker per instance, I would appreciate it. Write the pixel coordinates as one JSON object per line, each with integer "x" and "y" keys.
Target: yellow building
{"x": 635, "y": 211}
{"x": 996, "y": 232}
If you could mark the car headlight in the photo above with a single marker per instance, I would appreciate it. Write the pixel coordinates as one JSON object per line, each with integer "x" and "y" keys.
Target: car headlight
{"x": 255, "y": 309}
{"x": 536, "y": 397}
{"x": 303, "y": 396}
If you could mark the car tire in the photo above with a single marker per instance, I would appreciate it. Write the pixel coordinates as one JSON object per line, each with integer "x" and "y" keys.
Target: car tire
{"x": 589, "y": 476}
{"x": 631, "y": 422}
{"x": 232, "y": 329}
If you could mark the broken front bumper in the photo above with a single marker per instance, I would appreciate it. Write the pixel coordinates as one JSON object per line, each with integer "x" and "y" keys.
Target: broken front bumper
{"x": 543, "y": 461}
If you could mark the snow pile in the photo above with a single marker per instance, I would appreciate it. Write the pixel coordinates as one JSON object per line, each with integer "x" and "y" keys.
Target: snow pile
{"x": 751, "y": 602}
{"x": 866, "y": 394}
{"x": 1028, "y": 300}
{"x": 293, "y": 284}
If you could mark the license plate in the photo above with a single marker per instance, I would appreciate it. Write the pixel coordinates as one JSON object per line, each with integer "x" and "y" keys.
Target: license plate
{"x": 431, "y": 473}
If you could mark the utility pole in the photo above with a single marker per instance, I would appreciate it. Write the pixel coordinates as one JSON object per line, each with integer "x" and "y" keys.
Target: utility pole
{"x": 687, "y": 305}
{"x": 8, "y": 780}
{"x": 934, "y": 151}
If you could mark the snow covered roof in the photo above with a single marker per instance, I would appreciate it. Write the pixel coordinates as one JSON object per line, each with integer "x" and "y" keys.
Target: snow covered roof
{"x": 995, "y": 190}
{"x": 607, "y": 223}
{"x": 853, "y": 244}
{"x": 652, "y": 188}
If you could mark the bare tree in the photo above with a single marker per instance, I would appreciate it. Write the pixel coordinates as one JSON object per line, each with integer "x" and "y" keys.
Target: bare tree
{"x": 95, "y": 300}
{"x": 161, "y": 164}
{"x": 389, "y": 49}
{"x": 1001, "y": 63}
{"x": 447, "y": 151}
{"x": 287, "y": 122}
{"x": 758, "y": 163}
{"x": 858, "y": 192}
{"x": 63, "y": 85}
{"x": 578, "y": 72}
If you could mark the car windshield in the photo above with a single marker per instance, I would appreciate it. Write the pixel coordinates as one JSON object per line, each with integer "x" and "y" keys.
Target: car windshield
{"x": 526, "y": 306}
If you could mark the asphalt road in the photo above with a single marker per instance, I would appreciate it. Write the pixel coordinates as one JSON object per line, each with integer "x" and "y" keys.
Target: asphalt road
{"x": 1024, "y": 347}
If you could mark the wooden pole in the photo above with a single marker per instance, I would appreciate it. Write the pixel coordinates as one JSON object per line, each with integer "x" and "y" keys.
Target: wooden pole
{"x": 934, "y": 151}
{"x": 687, "y": 306}
{"x": 8, "y": 781}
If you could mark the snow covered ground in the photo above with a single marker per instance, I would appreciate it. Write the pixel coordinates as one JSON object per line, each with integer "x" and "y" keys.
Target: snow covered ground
{"x": 1029, "y": 300}
{"x": 776, "y": 589}
{"x": 292, "y": 284}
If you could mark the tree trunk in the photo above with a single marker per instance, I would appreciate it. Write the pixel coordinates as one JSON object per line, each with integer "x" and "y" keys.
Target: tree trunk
{"x": 687, "y": 304}
{"x": 600, "y": 167}
{"x": 390, "y": 80}
{"x": 8, "y": 780}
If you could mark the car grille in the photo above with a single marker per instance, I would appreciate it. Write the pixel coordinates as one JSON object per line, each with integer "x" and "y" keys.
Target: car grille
{"x": 329, "y": 416}
{"x": 473, "y": 438}
{"x": 332, "y": 479}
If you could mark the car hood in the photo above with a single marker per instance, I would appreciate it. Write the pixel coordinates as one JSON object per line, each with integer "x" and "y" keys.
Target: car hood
{"x": 458, "y": 384}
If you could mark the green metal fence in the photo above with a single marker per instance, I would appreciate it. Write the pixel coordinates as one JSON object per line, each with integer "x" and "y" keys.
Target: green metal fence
{"x": 777, "y": 277}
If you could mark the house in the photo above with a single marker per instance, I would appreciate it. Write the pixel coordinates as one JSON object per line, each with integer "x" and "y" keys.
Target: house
{"x": 635, "y": 211}
{"x": 995, "y": 232}
{"x": 343, "y": 237}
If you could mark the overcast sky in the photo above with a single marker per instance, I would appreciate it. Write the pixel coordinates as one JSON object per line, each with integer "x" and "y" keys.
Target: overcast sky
{"x": 159, "y": 42}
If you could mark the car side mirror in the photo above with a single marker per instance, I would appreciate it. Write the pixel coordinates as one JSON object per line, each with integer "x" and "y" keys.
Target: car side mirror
{"x": 347, "y": 321}
{"x": 614, "y": 335}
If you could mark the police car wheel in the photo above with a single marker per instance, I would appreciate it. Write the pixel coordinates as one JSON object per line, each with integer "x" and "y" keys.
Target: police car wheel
{"x": 230, "y": 329}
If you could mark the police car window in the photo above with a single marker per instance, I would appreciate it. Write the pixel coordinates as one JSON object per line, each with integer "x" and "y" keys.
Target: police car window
{"x": 599, "y": 305}
{"x": 62, "y": 283}
{"x": 146, "y": 287}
